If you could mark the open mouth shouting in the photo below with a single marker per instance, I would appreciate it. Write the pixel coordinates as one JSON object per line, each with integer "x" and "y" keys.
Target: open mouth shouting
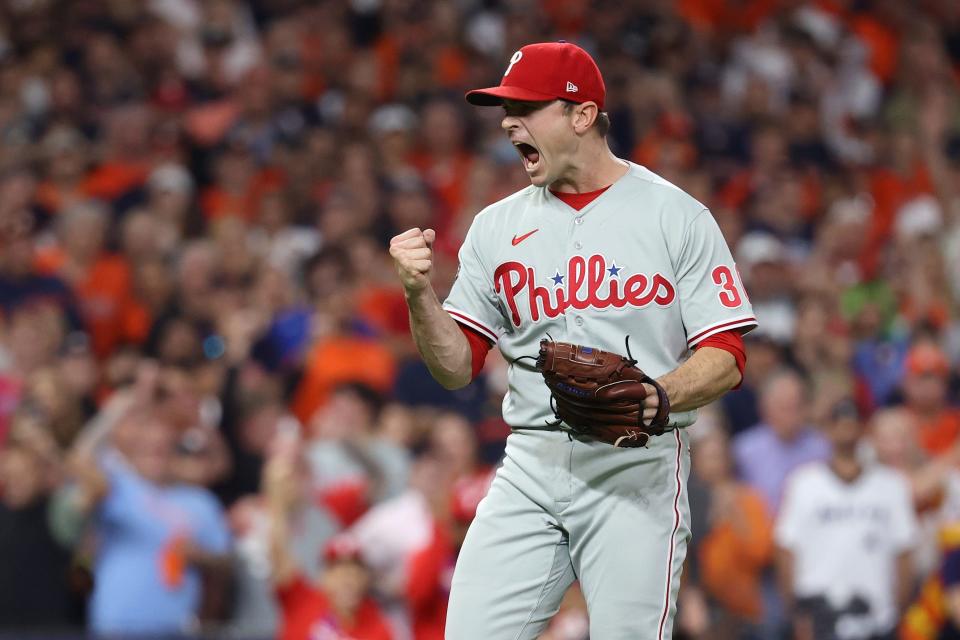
{"x": 530, "y": 155}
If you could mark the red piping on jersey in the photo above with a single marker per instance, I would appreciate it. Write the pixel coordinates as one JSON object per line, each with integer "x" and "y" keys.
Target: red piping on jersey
{"x": 725, "y": 325}
{"x": 578, "y": 200}
{"x": 673, "y": 538}
{"x": 461, "y": 317}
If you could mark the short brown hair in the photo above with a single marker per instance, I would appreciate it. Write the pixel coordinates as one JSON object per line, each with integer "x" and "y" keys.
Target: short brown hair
{"x": 601, "y": 124}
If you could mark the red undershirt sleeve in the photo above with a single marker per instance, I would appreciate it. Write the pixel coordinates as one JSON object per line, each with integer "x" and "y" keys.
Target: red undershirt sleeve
{"x": 732, "y": 342}
{"x": 479, "y": 346}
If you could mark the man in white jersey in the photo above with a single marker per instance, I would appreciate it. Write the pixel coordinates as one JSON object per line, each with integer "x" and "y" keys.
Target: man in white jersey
{"x": 595, "y": 250}
{"x": 845, "y": 535}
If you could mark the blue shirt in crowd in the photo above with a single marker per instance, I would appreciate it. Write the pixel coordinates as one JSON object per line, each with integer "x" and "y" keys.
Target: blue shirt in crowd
{"x": 138, "y": 586}
{"x": 764, "y": 460}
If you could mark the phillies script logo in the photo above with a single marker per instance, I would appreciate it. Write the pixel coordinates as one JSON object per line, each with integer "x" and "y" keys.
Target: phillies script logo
{"x": 588, "y": 283}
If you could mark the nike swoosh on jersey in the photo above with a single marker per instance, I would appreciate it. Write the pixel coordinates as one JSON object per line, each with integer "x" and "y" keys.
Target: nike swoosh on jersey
{"x": 518, "y": 239}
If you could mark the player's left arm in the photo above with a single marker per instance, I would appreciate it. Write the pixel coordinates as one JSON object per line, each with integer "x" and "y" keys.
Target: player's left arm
{"x": 704, "y": 377}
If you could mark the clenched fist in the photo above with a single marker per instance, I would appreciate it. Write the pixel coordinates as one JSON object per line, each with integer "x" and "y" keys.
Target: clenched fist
{"x": 412, "y": 252}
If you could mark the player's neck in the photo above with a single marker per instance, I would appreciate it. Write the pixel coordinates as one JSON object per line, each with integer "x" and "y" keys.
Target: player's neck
{"x": 591, "y": 170}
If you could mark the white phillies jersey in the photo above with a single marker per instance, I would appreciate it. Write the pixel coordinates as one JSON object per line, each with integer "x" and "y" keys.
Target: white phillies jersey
{"x": 643, "y": 260}
{"x": 845, "y": 539}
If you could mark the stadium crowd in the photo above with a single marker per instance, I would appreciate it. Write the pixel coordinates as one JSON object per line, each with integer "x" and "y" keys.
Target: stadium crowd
{"x": 212, "y": 417}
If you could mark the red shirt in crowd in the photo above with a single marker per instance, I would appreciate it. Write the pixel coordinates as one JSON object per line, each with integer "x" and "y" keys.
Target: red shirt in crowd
{"x": 307, "y": 615}
{"x": 428, "y": 585}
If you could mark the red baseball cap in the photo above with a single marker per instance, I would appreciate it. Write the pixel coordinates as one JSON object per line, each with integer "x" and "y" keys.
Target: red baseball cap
{"x": 342, "y": 547}
{"x": 925, "y": 358}
{"x": 546, "y": 71}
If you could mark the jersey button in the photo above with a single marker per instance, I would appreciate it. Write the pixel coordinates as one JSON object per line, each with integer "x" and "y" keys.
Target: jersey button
{"x": 579, "y": 321}
{"x": 578, "y": 245}
{"x": 578, "y": 220}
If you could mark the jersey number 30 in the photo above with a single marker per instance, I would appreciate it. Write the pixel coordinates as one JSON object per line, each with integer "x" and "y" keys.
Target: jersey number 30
{"x": 729, "y": 295}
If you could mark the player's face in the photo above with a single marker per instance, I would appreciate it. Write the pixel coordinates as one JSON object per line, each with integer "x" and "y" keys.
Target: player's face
{"x": 544, "y": 137}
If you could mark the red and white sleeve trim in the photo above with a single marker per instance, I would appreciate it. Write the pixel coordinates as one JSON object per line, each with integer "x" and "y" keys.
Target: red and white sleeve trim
{"x": 473, "y": 323}
{"x": 727, "y": 325}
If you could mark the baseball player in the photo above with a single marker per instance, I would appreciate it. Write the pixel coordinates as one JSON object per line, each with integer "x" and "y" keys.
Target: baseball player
{"x": 595, "y": 250}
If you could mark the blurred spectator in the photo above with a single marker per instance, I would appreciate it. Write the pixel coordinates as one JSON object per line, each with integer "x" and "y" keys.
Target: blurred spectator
{"x": 934, "y": 480}
{"x": 100, "y": 281}
{"x": 20, "y": 283}
{"x": 737, "y": 544}
{"x": 741, "y": 405}
{"x": 935, "y": 615}
{"x": 158, "y": 539}
{"x": 408, "y": 544}
{"x": 766, "y": 453}
{"x": 34, "y": 591}
{"x": 338, "y": 604}
{"x": 925, "y": 389}
{"x": 896, "y": 443}
{"x": 844, "y": 536}
{"x": 255, "y": 611}
{"x": 342, "y": 354}
{"x": 880, "y": 352}
{"x": 352, "y": 467}
{"x": 763, "y": 262}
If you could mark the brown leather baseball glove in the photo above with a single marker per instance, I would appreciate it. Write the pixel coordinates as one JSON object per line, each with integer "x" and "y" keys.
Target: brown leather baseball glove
{"x": 600, "y": 393}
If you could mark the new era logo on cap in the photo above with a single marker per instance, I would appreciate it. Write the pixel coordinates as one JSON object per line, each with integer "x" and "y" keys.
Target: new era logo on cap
{"x": 546, "y": 71}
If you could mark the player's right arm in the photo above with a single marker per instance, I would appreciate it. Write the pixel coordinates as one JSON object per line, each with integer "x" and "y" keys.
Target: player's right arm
{"x": 441, "y": 343}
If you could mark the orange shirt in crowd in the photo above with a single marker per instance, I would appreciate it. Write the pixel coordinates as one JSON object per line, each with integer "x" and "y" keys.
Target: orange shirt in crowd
{"x": 881, "y": 41}
{"x": 337, "y": 360}
{"x": 307, "y": 614}
{"x": 111, "y": 180}
{"x": 450, "y": 67}
{"x": 733, "y": 556}
{"x": 743, "y": 185}
{"x": 104, "y": 294}
{"x": 54, "y": 199}
{"x": 656, "y": 147}
{"x": 939, "y": 434}
{"x": 216, "y": 202}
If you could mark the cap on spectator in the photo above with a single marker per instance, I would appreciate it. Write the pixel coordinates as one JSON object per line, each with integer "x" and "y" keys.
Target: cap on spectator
{"x": 925, "y": 358}
{"x": 340, "y": 548}
{"x": 759, "y": 247}
{"x": 171, "y": 177}
{"x": 921, "y": 216}
{"x": 546, "y": 71}
{"x": 392, "y": 118}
